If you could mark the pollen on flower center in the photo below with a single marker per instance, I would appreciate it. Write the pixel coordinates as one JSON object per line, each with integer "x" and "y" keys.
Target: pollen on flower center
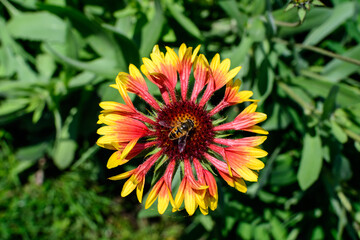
{"x": 197, "y": 137}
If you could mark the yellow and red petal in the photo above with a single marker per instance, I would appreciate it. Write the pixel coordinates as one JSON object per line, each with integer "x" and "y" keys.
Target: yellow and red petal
{"x": 246, "y": 141}
{"x": 179, "y": 198}
{"x": 220, "y": 71}
{"x": 190, "y": 201}
{"x": 140, "y": 190}
{"x": 116, "y": 160}
{"x": 153, "y": 194}
{"x": 130, "y": 185}
{"x": 163, "y": 199}
{"x": 201, "y": 74}
{"x": 123, "y": 175}
{"x": 244, "y": 121}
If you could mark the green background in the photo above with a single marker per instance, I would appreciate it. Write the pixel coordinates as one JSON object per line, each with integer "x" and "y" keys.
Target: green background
{"x": 57, "y": 58}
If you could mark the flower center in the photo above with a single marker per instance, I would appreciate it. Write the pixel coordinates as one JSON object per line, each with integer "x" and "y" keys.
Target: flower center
{"x": 184, "y": 130}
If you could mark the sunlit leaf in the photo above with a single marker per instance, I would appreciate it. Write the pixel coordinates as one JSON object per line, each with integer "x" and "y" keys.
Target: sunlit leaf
{"x": 330, "y": 101}
{"x": 337, "y": 69}
{"x": 231, "y": 8}
{"x": 339, "y": 15}
{"x": 39, "y": 26}
{"x": 12, "y": 105}
{"x": 152, "y": 31}
{"x": 183, "y": 20}
{"x": 338, "y": 132}
{"x": 311, "y": 161}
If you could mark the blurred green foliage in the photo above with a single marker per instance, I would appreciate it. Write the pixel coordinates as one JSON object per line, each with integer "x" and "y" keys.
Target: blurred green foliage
{"x": 57, "y": 58}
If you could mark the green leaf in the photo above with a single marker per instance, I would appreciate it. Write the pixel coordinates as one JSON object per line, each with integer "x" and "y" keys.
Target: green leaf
{"x": 7, "y": 60}
{"x": 82, "y": 79}
{"x": 65, "y": 145}
{"x": 151, "y": 32}
{"x": 342, "y": 168}
{"x": 261, "y": 232}
{"x": 301, "y": 14}
{"x": 101, "y": 66}
{"x": 336, "y": 69}
{"x": 231, "y": 8}
{"x": 45, "y": 65}
{"x": 257, "y": 31}
{"x": 290, "y": 6}
{"x": 106, "y": 46}
{"x": 277, "y": 228}
{"x": 12, "y": 105}
{"x": 278, "y": 117}
{"x": 245, "y": 230}
{"x": 339, "y": 15}
{"x": 314, "y": 18}
{"x": 317, "y": 3}
{"x": 37, "y": 26}
{"x": 38, "y": 111}
{"x": 32, "y": 152}
{"x": 329, "y": 104}
{"x": 311, "y": 161}
{"x": 266, "y": 77}
{"x": 77, "y": 18}
{"x": 346, "y": 96}
{"x": 357, "y": 146}
{"x": 64, "y": 152}
{"x": 86, "y": 156}
{"x": 239, "y": 53}
{"x": 177, "y": 12}
{"x": 24, "y": 71}
{"x": 338, "y": 132}
{"x": 206, "y": 221}
{"x": 127, "y": 46}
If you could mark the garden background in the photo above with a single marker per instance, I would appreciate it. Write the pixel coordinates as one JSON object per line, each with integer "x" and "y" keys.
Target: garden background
{"x": 58, "y": 57}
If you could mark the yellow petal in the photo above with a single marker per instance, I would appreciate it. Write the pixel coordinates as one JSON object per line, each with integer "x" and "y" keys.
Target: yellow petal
{"x": 135, "y": 73}
{"x": 204, "y": 211}
{"x": 151, "y": 197}
{"x": 257, "y": 129}
{"x": 240, "y": 185}
{"x": 140, "y": 190}
{"x": 215, "y": 62}
{"x": 257, "y": 152}
{"x": 247, "y": 174}
{"x": 213, "y": 202}
{"x": 255, "y": 164}
{"x": 122, "y": 175}
{"x": 115, "y": 160}
{"x": 106, "y": 130}
{"x": 196, "y": 50}
{"x": 190, "y": 203}
{"x": 249, "y": 109}
{"x": 232, "y": 73}
{"x": 163, "y": 200}
{"x": 171, "y": 56}
{"x": 106, "y": 140}
{"x": 128, "y": 148}
{"x": 129, "y": 186}
{"x": 225, "y": 66}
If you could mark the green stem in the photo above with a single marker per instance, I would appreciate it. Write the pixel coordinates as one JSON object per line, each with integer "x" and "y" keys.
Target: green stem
{"x": 287, "y": 24}
{"x": 320, "y": 50}
{"x": 12, "y": 10}
{"x": 58, "y": 124}
{"x": 308, "y": 108}
{"x": 353, "y": 135}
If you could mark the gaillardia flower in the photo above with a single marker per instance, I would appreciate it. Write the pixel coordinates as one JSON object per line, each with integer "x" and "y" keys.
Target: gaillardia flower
{"x": 180, "y": 131}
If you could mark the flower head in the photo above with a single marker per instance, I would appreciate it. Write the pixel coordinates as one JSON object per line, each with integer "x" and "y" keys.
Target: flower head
{"x": 181, "y": 133}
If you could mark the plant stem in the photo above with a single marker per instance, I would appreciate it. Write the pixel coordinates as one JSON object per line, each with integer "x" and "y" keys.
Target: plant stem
{"x": 308, "y": 108}
{"x": 287, "y": 24}
{"x": 320, "y": 50}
